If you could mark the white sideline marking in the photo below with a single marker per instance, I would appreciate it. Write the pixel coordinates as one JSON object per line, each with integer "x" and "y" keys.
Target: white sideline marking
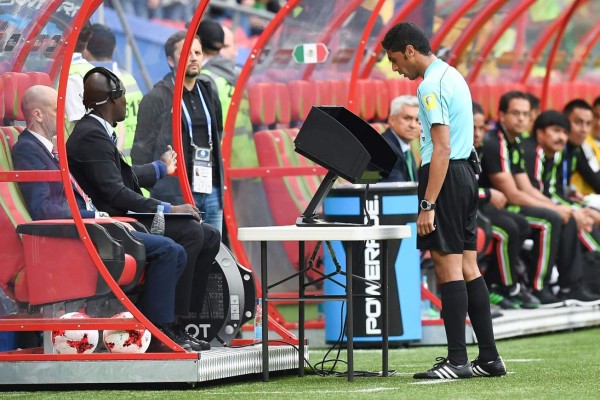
{"x": 433, "y": 381}
{"x": 311, "y": 392}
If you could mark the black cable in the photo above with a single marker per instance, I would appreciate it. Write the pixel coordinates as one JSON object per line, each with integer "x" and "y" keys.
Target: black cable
{"x": 365, "y": 208}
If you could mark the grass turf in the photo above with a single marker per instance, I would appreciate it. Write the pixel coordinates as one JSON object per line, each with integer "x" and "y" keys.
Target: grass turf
{"x": 553, "y": 366}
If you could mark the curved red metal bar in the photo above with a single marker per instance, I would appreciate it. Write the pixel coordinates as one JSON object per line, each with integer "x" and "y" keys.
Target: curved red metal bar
{"x": 28, "y": 37}
{"x": 442, "y": 32}
{"x": 489, "y": 46}
{"x": 552, "y": 55}
{"x": 476, "y": 24}
{"x": 360, "y": 52}
{"x": 541, "y": 44}
{"x": 87, "y": 8}
{"x": 333, "y": 27}
{"x": 178, "y": 95}
{"x": 588, "y": 42}
{"x": 402, "y": 13}
{"x": 229, "y": 207}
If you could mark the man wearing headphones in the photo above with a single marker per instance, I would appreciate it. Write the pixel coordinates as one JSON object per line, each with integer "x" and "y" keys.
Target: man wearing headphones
{"x": 114, "y": 185}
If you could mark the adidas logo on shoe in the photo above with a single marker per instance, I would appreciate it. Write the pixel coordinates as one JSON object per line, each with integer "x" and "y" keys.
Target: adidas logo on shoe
{"x": 488, "y": 369}
{"x": 444, "y": 369}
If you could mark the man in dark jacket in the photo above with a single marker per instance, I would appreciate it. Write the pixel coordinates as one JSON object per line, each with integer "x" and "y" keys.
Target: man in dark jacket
{"x": 47, "y": 200}
{"x": 114, "y": 185}
{"x": 202, "y": 125}
{"x": 404, "y": 127}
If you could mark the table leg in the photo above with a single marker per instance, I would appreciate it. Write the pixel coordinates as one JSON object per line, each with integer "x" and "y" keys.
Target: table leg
{"x": 301, "y": 310}
{"x": 265, "y": 311}
{"x": 384, "y": 308}
{"x": 350, "y": 247}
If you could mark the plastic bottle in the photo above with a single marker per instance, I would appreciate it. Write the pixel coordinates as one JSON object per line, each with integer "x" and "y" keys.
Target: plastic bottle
{"x": 258, "y": 321}
{"x": 158, "y": 223}
{"x": 425, "y": 303}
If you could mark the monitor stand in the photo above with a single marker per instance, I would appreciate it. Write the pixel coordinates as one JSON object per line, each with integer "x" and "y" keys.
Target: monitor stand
{"x": 310, "y": 218}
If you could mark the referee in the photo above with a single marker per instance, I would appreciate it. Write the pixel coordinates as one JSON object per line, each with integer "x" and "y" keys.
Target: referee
{"x": 447, "y": 224}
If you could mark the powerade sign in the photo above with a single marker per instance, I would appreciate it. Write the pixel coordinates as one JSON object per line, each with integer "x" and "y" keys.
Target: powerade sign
{"x": 391, "y": 205}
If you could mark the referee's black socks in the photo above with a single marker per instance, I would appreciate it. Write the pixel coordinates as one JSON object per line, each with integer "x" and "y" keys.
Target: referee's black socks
{"x": 454, "y": 312}
{"x": 481, "y": 319}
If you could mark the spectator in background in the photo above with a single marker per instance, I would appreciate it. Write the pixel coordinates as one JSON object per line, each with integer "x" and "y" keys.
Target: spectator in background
{"x": 221, "y": 70}
{"x": 201, "y": 132}
{"x": 100, "y": 51}
{"x": 140, "y": 8}
{"x": 403, "y": 128}
{"x": 229, "y": 49}
{"x": 535, "y": 111}
{"x": 74, "y": 109}
{"x": 176, "y": 10}
{"x": 590, "y": 150}
{"x": 580, "y": 154}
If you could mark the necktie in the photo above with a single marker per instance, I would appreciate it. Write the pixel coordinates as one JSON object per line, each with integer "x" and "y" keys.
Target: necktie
{"x": 88, "y": 202}
{"x": 114, "y": 138}
{"x": 409, "y": 164}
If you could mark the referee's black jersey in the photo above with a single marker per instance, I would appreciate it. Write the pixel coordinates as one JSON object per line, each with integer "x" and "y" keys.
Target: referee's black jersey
{"x": 499, "y": 154}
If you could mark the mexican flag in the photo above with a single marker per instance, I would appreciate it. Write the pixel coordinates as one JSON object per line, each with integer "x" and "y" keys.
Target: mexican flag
{"x": 310, "y": 53}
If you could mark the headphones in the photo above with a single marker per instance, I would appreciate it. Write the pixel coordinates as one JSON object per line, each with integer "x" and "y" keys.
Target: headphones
{"x": 113, "y": 80}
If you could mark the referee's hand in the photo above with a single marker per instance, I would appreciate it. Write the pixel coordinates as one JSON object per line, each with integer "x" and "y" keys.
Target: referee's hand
{"x": 425, "y": 222}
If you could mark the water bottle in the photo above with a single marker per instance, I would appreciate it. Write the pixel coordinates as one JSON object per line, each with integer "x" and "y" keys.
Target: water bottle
{"x": 258, "y": 321}
{"x": 158, "y": 223}
{"x": 425, "y": 303}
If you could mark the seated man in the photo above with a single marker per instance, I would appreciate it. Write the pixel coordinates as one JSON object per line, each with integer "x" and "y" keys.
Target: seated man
{"x": 46, "y": 200}
{"x": 404, "y": 126}
{"x": 509, "y": 231}
{"x": 102, "y": 172}
{"x": 583, "y": 148}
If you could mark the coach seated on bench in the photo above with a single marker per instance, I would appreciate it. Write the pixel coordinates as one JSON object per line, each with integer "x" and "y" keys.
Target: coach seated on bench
{"x": 46, "y": 200}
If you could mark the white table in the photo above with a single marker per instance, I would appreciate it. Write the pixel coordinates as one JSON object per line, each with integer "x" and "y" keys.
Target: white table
{"x": 350, "y": 236}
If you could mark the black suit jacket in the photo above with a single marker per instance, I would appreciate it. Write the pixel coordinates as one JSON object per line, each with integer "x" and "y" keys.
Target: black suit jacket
{"x": 44, "y": 200}
{"x": 103, "y": 174}
{"x": 400, "y": 171}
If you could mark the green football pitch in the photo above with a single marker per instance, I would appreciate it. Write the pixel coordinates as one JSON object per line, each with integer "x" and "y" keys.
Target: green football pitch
{"x": 553, "y": 366}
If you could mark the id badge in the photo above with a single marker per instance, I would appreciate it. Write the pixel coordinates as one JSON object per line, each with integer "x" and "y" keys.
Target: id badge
{"x": 202, "y": 174}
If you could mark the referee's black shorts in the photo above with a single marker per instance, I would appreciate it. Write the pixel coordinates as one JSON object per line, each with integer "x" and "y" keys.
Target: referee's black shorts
{"x": 455, "y": 210}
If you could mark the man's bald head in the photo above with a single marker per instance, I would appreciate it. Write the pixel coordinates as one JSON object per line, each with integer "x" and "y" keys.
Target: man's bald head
{"x": 39, "y": 108}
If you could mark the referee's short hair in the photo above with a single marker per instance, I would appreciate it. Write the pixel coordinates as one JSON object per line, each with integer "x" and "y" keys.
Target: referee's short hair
{"x": 404, "y": 34}
{"x": 550, "y": 118}
{"x": 399, "y": 102}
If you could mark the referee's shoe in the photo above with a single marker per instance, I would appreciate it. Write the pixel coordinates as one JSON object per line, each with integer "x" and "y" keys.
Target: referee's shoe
{"x": 490, "y": 368}
{"x": 444, "y": 369}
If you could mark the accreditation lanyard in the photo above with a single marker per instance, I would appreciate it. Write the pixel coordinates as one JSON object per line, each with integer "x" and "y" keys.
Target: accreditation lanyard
{"x": 188, "y": 118}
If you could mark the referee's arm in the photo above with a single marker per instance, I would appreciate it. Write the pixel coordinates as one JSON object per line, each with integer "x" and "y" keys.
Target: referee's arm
{"x": 440, "y": 137}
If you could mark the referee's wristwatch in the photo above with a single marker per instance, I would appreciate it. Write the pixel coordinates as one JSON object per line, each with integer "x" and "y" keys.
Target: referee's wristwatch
{"x": 426, "y": 205}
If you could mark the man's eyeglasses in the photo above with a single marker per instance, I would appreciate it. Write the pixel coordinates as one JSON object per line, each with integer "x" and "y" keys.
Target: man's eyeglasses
{"x": 517, "y": 113}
